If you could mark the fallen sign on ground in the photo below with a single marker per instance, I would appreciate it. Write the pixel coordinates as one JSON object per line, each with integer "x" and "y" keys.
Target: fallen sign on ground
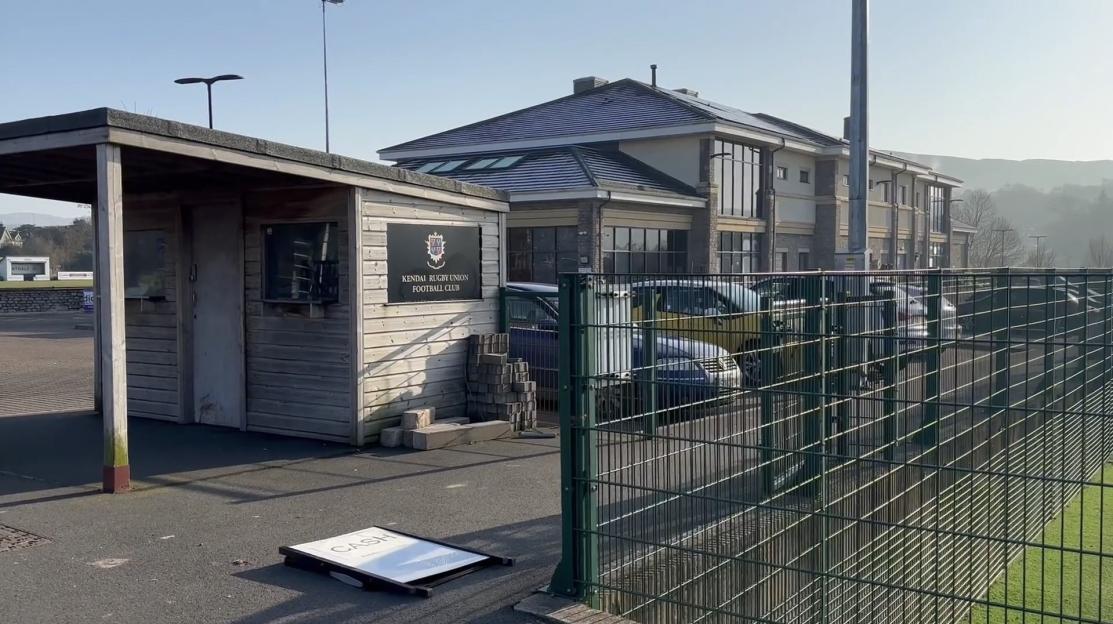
{"x": 377, "y": 558}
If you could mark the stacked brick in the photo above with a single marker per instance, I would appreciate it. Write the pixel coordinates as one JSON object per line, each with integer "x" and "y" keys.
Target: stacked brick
{"x": 421, "y": 430}
{"x": 498, "y": 386}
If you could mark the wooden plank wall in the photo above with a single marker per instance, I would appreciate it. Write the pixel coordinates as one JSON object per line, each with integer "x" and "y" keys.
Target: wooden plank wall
{"x": 151, "y": 327}
{"x": 298, "y": 360}
{"x": 414, "y": 354}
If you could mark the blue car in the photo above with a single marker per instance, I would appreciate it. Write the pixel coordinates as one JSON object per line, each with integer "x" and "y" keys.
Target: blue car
{"x": 687, "y": 371}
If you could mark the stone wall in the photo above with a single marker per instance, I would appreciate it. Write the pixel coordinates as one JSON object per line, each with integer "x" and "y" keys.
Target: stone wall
{"x": 40, "y": 299}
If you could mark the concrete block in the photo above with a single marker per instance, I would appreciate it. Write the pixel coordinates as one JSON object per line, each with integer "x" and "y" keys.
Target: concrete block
{"x": 454, "y": 420}
{"x": 418, "y": 417}
{"x": 441, "y": 436}
{"x": 524, "y": 386}
{"x": 497, "y": 359}
{"x": 391, "y": 437}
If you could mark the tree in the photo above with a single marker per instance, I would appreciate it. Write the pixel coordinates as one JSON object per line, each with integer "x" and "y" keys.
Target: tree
{"x": 996, "y": 241}
{"x": 1099, "y": 253}
{"x": 1043, "y": 257}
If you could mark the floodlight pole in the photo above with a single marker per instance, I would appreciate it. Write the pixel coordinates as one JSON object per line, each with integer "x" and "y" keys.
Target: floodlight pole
{"x": 324, "y": 57}
{"x": 858, "y": 243}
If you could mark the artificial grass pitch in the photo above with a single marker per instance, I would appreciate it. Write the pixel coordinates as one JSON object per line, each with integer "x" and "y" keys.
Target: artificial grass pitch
{"x": 1066, "y": 583}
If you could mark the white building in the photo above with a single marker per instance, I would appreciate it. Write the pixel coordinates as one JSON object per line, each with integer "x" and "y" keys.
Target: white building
{"x": 24, "y": 268}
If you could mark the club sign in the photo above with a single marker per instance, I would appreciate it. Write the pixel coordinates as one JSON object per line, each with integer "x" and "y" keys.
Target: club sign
{"x": 432, "y": 262}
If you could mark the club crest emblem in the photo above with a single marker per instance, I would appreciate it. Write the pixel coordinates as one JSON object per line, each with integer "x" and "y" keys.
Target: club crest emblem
{"x": 434, "y": 246}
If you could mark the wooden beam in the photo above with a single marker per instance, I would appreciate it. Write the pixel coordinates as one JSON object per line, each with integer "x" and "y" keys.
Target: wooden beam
{"x": 54, "y": 140}
{"x": 355, "y": 304}
{"x": 109, "y": 273}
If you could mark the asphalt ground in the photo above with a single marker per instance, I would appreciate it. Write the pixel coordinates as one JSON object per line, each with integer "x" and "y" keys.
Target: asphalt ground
{"x": 46, "y": 365}
{"x": 197, "y": 540}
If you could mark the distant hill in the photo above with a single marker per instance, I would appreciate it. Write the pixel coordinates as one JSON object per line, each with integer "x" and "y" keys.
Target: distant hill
{"x": 1038, "y": 173}
{"x": 16, "y": 219}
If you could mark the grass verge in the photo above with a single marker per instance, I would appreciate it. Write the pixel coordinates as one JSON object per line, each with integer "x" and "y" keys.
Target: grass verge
{"x": 48, "y": 284}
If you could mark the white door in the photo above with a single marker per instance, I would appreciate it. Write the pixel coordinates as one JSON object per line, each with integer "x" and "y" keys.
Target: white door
{"x": 217, "y": 291}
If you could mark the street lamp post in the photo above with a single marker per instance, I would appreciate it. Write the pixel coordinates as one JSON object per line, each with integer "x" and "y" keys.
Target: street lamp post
{"x": 1039, "y": 258}
{"x": 208, "y": 82}
{"x": 324, "y": 56}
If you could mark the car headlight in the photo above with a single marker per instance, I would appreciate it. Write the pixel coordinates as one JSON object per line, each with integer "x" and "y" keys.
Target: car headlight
{"x": 680, "y": 365}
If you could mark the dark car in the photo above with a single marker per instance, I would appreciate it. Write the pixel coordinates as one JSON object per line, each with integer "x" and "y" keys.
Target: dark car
{"x": 1032, "y": 304}
{"x": 686, "y": 371}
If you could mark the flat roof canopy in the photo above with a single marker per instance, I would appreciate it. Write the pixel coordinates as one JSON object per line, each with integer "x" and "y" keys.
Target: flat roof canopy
{"x": 55, "y": 158}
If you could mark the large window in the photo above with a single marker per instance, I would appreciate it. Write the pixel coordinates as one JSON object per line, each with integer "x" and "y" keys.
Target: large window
{"x": 299, "y": 262}
{"x": 739, "y": 252}
{"x": 937, "y": 202}
{"x": 644, "y": 250}
{"x": 739, "y": 168}
{"x": 540, "y": 254}
{"x": 144, "y": 264}
{"x": 935, "y": 256}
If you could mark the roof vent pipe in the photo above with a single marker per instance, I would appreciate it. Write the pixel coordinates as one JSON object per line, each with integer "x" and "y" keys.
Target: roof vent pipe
{"x": 587, "y": 83}
{"x": 653, "y": 74}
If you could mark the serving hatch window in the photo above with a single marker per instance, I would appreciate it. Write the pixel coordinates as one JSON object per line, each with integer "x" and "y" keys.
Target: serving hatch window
{"x": 299, "y": 262}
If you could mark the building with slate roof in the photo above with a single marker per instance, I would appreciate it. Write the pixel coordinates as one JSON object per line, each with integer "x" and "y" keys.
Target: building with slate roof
{"x": 631, "y": 177}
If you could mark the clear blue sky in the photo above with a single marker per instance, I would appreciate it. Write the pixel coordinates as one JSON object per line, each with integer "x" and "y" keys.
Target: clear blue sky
{"x": 978, "y": 78}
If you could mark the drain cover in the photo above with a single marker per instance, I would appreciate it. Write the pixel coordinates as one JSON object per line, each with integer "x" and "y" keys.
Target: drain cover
{"x": 14, "y": 539}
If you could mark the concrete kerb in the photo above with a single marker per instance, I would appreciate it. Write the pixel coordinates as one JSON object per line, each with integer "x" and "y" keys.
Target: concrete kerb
{"x": 561, "y": 610}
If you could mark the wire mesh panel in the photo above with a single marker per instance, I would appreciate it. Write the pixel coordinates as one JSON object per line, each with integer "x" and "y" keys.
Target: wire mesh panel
{"x": 839, "y": 447}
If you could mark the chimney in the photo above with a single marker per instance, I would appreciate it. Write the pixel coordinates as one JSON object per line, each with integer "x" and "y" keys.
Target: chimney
{"x": 846, "y": 128}
{"x": 587, "y": 83}
{"x": 691, "y": 92}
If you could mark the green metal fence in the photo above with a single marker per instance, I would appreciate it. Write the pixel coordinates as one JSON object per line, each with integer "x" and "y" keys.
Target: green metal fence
{"x": 838, "y": 447}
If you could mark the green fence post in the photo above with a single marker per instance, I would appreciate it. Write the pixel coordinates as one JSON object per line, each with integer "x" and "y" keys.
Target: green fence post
{"x": 930, "y": 423}
{"x": 1001, "y": 348}
{"x": 768, "y": 439}
{"x": 649, "y": 368}
{"x": 814, "y": 326}
{"x": 889, "y": 392}
{"x": 579, "y": 563}
{"x": 586, "y": 387}
{"x": 504, "y": 311}
{"x": 564, "y": 578}
{"x": 842, "y": 378}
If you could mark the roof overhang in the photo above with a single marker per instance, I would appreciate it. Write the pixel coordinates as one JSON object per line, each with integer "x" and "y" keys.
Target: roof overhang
{"x": 601, "y": 194}
{"x": 51, "y": 157}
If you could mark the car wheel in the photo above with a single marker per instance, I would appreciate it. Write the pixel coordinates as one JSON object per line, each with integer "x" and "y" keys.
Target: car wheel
{"x": 750, "y": 363}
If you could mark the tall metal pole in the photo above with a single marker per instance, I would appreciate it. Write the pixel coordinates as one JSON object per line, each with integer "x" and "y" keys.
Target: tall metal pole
{"x": 209, "y": 89}
{"x": 859, "y": 136}
{"x": 324, "y": 47}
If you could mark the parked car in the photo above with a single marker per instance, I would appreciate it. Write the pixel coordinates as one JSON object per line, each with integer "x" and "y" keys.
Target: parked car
{"x": 950, "y": 329}
{"x": 720, "y": 312}
{"x": 686, "y": 370}
{"x": 1029, "y": 304}
{"x": 911, "y": 325}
